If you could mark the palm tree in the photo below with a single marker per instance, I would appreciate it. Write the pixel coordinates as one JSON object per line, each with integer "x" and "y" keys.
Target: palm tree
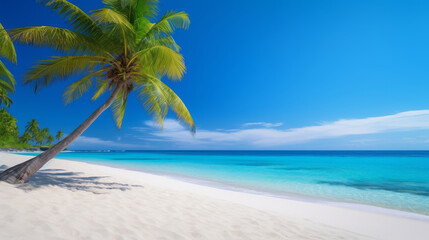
{"x": 7, "y": 81}
{"x": 122, "y": 49}
{"x": 32, "y": 131}
{"x": 25, "y": 137}
{"x": 42, "y": 136}
{"x": 59, "y": 135}
{"x": 49, "y": 139}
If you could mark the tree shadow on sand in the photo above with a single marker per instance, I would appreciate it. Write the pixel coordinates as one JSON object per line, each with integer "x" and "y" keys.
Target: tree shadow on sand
{"x": 73, "y": 181}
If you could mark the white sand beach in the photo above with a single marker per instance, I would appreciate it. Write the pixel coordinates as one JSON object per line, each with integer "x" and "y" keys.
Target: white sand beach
{"x": 75, "y": 200}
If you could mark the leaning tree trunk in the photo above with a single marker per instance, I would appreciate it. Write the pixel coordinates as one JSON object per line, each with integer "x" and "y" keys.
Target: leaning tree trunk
{"x": 23, "y": 171}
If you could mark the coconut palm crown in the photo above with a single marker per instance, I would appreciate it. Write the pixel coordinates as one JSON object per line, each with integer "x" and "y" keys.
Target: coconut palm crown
{"x": 116, "y": 49}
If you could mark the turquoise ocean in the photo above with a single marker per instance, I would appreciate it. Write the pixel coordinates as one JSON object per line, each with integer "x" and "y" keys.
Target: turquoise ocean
{"x": 390, "y": 179}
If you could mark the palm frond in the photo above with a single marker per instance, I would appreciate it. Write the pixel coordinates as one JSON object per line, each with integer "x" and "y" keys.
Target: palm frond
{"x": 168, "y": 23}
{"x": 145, "y": 11}
{"x": 6, "y": 76}
{"x": 102, "y": 86}
{"x": 60, "y": 68}
{"x": 116, "y": 25}
{"x": 6, "y": 86}
{"x": 146, "y": 8}
{"x": 7, "y": 49}
{"x": 166, "y": 41}
{"x": 175, "y": 20}
{"x": 60, "y": 39}
{"x": 158, "y": 98}
{"x": 134, "y": 9}
{"x": 142, "y": 26}
{"x": 78, "y": 88}
{"x": 164, "y": 61}
{"x": 109, "y": 16}
{"x": 118, "y": 107}
{"x": 4, "y": 98}
{"x": 78, "y": 19}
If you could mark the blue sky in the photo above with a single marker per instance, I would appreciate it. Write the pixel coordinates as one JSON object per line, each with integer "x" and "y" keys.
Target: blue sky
{"x": 264, "y": 75}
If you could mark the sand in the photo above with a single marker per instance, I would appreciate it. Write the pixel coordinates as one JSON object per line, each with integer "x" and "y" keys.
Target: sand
{"x": 75, "y": 200}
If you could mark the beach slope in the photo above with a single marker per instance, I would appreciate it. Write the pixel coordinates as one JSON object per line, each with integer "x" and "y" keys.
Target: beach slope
{"x": 75, "y": 200}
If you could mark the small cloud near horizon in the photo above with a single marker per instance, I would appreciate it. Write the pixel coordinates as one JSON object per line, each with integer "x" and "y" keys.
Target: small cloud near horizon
{"x": 263, "y": 124}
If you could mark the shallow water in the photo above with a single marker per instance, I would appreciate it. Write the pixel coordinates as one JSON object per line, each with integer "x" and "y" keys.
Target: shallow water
{"x": 392, "y": 179}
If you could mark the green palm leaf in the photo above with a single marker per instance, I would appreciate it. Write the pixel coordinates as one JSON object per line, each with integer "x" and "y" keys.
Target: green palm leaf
{"x": 163, "y": 61}
{"x": 166, "y": 41}
{"x": 4, "y": 98}
{"x": 109, "y": 16}
{"x": 6, "y": 76}
{"x": 73, "y": 15}
{"x": 6, "y": 86}
{"x": 158, "y": 98}
{"x": 7, "y": 49}
{"x": 60, "y": 68}
{"x": 60, "y": 39}
{"x": 134, "y": 9}
{"x": 168, "y": 23}
{"x": 116, "y": 25}
{"x": 118, "y": 107}
{"x": 102, "y": 87}
{"x": 169, "y": 42}
{"x": 7, "y": 81}
{"x": 78, "y": 88}
{"x": 145, "y": 10}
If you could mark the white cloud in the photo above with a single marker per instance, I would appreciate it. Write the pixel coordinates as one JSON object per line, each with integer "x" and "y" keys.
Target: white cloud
{"x": 263, "y": 124}
{"x": 264, "y": 137}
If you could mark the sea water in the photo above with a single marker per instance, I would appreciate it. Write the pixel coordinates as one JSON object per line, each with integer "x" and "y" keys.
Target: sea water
{"x": 390, "y": 179}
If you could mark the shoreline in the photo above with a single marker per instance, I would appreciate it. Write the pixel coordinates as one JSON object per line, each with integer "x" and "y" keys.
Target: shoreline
{"x": 280, "y": 195}
{"x": 295, "y": 197}
{"x": 325, "y": 217}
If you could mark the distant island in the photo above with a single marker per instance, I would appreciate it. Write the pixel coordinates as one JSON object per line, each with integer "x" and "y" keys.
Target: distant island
{"x": 28, "y": 149}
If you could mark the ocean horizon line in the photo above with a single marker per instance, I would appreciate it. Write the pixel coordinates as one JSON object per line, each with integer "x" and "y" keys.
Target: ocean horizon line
{"x": 253, "y": 150}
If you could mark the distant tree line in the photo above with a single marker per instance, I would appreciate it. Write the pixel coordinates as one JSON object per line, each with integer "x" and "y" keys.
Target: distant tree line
{"x": 33, "y": 134}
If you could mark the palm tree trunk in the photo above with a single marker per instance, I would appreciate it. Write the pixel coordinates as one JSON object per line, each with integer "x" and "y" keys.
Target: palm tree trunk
{"x": 23, "y": 171}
